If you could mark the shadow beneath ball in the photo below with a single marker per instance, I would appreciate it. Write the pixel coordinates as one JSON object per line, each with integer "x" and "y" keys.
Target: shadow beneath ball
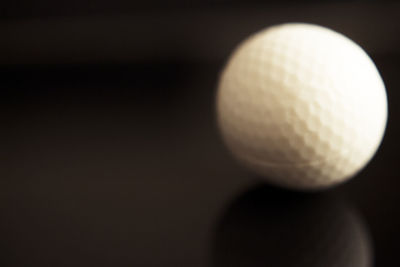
{"x": 267, "y": 226}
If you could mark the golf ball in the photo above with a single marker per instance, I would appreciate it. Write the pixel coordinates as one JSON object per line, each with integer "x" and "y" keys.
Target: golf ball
{"x": 302, "y": 105}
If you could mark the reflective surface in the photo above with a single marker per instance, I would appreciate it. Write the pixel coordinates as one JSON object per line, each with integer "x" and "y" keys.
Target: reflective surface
{"x": 270, "y": 227}
{"x": 123, "y": 166}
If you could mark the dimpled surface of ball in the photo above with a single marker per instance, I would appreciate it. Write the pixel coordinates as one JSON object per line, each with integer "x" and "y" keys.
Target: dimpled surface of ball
{"x": 302, "y": 105}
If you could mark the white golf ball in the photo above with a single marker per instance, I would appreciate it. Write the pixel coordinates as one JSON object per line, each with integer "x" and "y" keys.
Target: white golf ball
{"x": 302, "y": 105}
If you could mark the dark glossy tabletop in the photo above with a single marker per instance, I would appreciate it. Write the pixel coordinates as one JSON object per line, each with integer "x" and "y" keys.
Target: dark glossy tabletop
{"x": 121, "y": 164}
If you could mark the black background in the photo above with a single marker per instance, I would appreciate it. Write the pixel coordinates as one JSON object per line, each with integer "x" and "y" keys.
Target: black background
{"x": 110, "y": 155}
